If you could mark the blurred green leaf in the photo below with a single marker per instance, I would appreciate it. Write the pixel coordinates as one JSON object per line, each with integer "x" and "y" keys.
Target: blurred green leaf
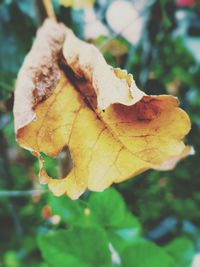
{"x": 129, "y": 228}
{"x": 182, "y": 250}
{"x": 11, "y": 259}
{"x": 107, "y": 208}
{"x": 79, "y": 246}
{"x": 146, "y": 254}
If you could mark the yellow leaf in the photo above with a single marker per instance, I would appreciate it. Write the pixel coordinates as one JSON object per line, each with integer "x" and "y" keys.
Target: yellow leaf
{"x": 112, "y": 129}
{"x": 77, "y": 3}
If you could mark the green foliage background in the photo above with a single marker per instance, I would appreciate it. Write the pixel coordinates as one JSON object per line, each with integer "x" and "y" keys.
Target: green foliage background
{"x": 152, "y": 220}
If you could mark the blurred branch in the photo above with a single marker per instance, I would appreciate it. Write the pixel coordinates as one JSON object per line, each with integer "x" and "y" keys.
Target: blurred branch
{"x": 22, "y": 193}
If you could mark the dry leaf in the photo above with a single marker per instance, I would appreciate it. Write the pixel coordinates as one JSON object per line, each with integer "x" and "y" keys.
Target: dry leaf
{"x": 112, "y": 129}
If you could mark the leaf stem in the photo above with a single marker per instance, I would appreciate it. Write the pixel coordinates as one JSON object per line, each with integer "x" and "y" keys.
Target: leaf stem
{"x": 49, "y": 9}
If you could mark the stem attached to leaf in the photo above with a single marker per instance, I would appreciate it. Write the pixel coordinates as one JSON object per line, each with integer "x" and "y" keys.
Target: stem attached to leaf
{"x": 49, "y": 9}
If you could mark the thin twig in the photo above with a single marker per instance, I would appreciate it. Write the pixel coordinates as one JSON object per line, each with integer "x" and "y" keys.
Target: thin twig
{"x": 21, "y": 193}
